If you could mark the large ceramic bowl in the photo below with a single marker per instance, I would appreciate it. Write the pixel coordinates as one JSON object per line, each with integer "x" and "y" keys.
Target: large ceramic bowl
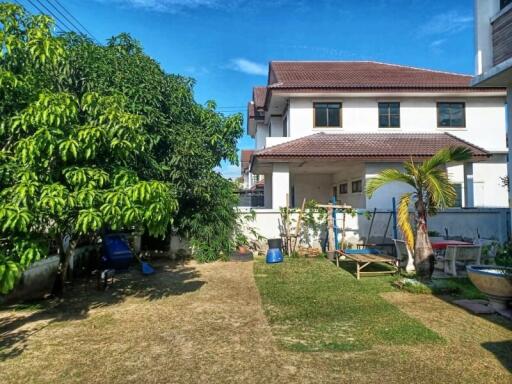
{"x": 495, "y": 282}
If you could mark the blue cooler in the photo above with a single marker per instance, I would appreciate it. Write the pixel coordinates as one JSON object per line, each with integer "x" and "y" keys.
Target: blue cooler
{"x": 116, "y": 252}
{"x": 274, "y": 254}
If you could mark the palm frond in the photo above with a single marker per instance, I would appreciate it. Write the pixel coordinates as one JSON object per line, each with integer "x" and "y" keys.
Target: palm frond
{"x": 446, "y": 155}
{"x": 388, "y": 176}
{"x": 441, "y": 192}
{"x": 403, "y": 219}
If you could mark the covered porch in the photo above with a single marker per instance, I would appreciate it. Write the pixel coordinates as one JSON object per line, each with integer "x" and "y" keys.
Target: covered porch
{"x": 324, "y": 166}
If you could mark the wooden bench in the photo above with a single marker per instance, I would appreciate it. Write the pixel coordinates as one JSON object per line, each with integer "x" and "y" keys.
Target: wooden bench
{"x": 363, "y": 260}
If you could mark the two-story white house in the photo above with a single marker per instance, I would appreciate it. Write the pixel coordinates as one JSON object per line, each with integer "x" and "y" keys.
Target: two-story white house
{"x": 322, "y": 129}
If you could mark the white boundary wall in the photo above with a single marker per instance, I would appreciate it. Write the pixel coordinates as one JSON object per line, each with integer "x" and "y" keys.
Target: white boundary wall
{"x": 488, "y": 223}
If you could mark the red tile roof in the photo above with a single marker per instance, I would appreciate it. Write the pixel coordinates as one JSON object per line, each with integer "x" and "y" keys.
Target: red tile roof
{"x": 258, "y": 96}
{"x": 367, "y": 145}
{"x": 357, "y": 75}
{"x": 246, "y": 158}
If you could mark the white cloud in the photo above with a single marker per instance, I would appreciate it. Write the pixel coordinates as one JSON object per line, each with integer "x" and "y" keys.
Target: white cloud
{"x": 248, "y": 66}
{"x": 447, "y": 23}
{"x": 437, "y": 43}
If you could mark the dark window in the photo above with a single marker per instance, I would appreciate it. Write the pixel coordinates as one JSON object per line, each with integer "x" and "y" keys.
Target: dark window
{"x": 285, "y": 127}
{"x": 389, "y": 115}
{"x": 357, "y": 186}
{"x": 504, "y": 3}
{"x": 451, "y": 115}
{"x": 343, "y": 188}
{"x": 458, "y": 199}
{"x": 327, "y": 114}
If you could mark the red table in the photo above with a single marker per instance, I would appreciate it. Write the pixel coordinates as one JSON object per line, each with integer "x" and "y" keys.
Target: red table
{"x": 443, "y": 244}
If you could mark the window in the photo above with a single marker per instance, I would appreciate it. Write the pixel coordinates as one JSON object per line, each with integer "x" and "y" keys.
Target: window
{"x": 451, "y": 115}
{"x": 285, "y": 127}
{"x": 357, "y": 186}
{"x": 343, "y": 188}
{"x": 504, "y": 3}
{"x": 458, "y": 199}
{"x": 389, "y": 115}
{"x": 327, "y": 114}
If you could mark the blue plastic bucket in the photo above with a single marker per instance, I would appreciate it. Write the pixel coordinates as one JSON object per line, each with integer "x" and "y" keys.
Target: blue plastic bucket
{"x": 274, "y": 255}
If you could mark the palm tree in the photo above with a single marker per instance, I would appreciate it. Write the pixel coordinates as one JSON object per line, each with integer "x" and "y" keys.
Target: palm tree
{"x": 431, "y": 191}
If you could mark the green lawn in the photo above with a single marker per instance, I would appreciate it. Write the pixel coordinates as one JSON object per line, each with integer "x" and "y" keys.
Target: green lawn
{"x": 313, "y": 306}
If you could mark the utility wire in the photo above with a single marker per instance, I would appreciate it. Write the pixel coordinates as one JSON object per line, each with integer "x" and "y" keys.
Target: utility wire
{"x": 40, "y": 11}
{"x": 74, "y": 18}
{"x": 55, "y": 17}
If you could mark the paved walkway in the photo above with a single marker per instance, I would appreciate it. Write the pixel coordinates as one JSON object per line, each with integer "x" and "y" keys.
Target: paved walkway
{"x": 204, "y": 324}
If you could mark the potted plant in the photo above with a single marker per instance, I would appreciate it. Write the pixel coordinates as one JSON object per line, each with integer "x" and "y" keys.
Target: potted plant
{"x": 246, "y": 238}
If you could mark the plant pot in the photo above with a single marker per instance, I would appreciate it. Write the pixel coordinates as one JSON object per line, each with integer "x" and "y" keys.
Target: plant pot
{"x": 495, "y": 282}
{"x": 243, "y": 249}
{"x": 275, "y": 243}
{"x": 36, "y": 282}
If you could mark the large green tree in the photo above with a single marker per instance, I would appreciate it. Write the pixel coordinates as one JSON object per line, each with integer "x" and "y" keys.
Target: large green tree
{"x": 189, "y": 139}
{"x": 431, "y": 190}
{"x": 95, "y": 137}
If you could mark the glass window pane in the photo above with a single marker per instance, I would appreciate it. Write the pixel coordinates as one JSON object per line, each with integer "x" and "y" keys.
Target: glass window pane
{"x": 444, "y": 115}
{"x": 334, "y": 117}
{"x": 383, "y": 121}
{"x": 320, "y": 116}
{"x": 383, "y": 108}
{"x": 395, "y": 121}
{"x": 457, "y": 115}
{"x": 394, "y": 108}
{"x": 458, "y": 192}
{"x": 357, "y": 186}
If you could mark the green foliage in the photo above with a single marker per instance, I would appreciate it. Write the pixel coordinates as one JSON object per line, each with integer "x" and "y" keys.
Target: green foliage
{"x": 504, "y": 255}
{"x": 100, "y": 137}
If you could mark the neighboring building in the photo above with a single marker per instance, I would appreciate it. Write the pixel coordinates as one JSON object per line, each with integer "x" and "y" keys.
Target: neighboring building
{"x": 323, "y": 129}
{"x": 493, "y": 29}
{"x": 248, "y": 178}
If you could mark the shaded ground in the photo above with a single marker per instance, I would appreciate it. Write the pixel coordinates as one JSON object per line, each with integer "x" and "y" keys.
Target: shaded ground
{"x": 204, "y": 323}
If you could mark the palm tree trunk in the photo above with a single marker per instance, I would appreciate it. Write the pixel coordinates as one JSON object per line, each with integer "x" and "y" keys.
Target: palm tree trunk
{"x": 423, "y": 254}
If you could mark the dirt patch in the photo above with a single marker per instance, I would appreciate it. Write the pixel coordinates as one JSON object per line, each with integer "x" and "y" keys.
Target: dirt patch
{"x": 203, "y": 323}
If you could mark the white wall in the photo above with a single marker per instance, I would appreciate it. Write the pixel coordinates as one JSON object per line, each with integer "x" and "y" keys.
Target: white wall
{"x": 356, "y": 172}
{"x": 488, "y": 223}
{"x": 261, "y": 135}
{"x": 307, "y": 186}
{"x": 276, "y": 126}
{"x": 485, "y": 118}
{"x": 382, "y": 198}
{"x": 484, "y": 11}
{"x": 280, "y": 185}
{"x": 489, "y": 190}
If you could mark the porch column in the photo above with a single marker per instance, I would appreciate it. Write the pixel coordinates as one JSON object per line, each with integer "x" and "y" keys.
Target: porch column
{"x": 509, "y": 136}
{"x": 267, "y": 190}
{"x": 469, "y": 192}
{"x": 280, "y": 184}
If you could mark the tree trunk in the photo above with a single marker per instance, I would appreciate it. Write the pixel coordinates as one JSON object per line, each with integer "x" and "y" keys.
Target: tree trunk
{"x": 423, "y": 254}
{"x": 65, "y": 256}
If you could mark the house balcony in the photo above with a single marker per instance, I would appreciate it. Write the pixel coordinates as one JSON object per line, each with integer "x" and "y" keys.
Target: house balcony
{"x": 500, "y": 74}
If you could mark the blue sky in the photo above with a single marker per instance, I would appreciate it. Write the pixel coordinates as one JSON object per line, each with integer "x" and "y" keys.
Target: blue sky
{"x": 226, "y": 44}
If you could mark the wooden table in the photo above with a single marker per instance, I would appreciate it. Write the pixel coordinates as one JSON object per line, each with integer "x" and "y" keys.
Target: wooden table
{"x": 363, "y": 260}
